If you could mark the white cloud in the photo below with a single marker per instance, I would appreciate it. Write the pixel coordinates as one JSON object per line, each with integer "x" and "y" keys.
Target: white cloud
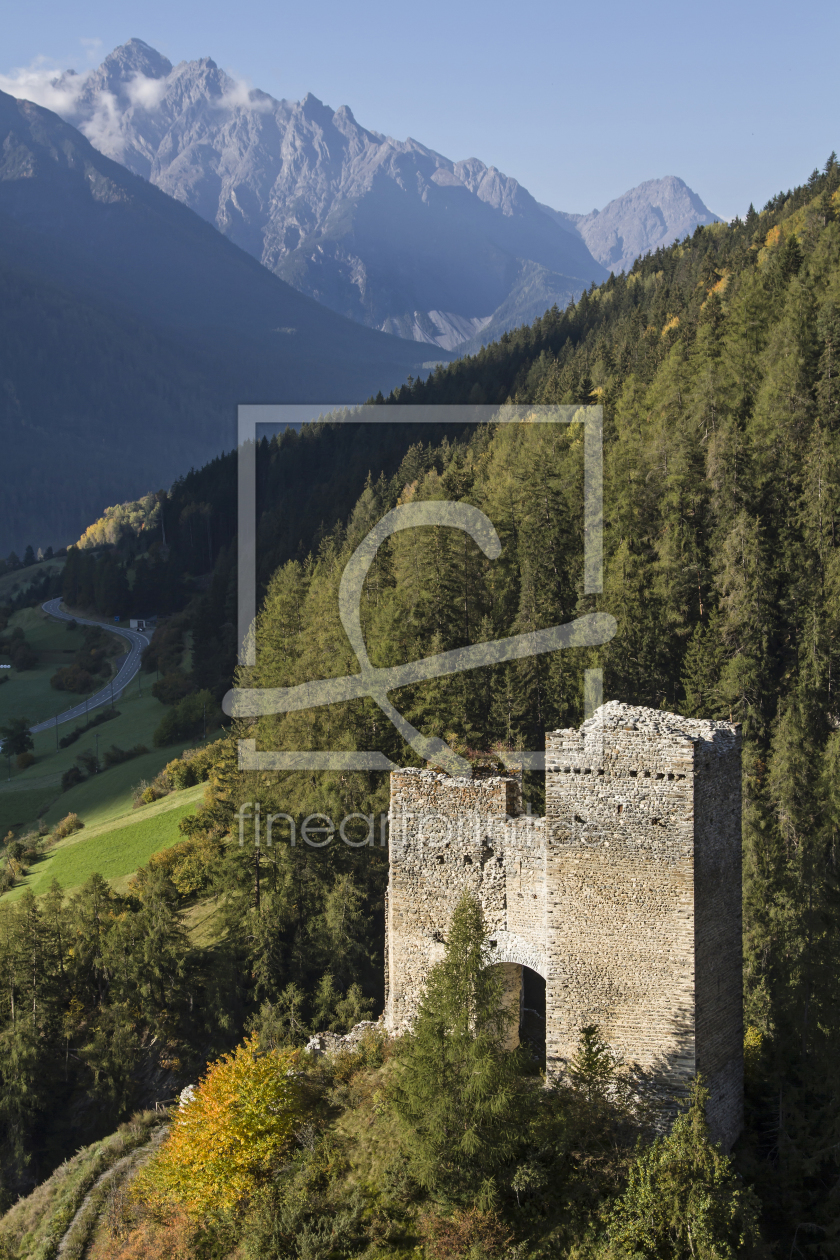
{"x": 41, "y": 83}
{"x": 242, "y": 96}
{"x": 145, "y": 92}
{"x": 103, "y": 127}
{"x": 100, "y": 117}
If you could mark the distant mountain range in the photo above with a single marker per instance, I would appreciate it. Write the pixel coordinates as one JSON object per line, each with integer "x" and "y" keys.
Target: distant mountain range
{"x": 130, "y": 330}
{"x": 386, "y": 232}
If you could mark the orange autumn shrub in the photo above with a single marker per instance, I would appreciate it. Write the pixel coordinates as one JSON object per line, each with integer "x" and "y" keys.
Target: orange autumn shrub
{"x": 464, "y": 1233}
{"x": 224, "y": 1142}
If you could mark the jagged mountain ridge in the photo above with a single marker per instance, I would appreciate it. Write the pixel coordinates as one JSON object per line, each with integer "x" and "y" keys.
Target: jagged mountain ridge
{"x": 648, "y": 217}
{"x": 387, "y": 232}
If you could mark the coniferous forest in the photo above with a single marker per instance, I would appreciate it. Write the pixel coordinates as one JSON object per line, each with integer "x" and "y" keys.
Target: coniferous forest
{"x": 716, "y": 364}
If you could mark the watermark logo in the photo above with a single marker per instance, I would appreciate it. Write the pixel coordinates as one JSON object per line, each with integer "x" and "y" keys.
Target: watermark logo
{"x": 589, "y": 630}
{"x": 316, "y": 830}
{"x": 431, "y": 829}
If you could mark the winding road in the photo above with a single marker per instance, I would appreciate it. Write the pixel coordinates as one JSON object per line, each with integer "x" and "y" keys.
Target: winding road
{"x": 128, "y": 669}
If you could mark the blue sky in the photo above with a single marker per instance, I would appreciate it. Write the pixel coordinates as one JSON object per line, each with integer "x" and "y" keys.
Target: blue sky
{"x": 578, "y": 102}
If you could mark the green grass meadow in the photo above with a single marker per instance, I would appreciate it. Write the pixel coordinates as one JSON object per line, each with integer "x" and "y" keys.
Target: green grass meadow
{"x": 29, "y": 694}
{"x": 115, "y": 849}
{"x": 36, "y": 792}
{"x": 116, "y": 838}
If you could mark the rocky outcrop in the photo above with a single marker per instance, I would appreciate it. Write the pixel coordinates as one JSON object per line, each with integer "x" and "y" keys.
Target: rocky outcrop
{"x": 327, "y": 1044}
{"x": 387, "y": 232}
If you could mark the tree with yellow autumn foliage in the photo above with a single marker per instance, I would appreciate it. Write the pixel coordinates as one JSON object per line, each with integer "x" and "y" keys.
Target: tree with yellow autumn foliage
{"x": 226, "y": 1138}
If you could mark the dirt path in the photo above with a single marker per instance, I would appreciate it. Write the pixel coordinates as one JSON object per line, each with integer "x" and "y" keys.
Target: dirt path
{"x": 77, "y": 1235}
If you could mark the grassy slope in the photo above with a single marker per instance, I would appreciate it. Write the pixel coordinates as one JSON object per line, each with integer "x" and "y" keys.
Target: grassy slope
{"x": 45, "y": 633}
{"x": 36, "y": 1224}
{"x": 116, "y": 839}
{"x": 29, "y": 693}
{"x": 114, "y": 849}
{"x": 370, "y": 1139}
{"x": 11, "y": 584}
{"x": 36, "y": 792}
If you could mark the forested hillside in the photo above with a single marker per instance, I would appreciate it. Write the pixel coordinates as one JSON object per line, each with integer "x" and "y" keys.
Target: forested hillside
{"x": 715, "y": 363}
{"x": 132, "y": 330}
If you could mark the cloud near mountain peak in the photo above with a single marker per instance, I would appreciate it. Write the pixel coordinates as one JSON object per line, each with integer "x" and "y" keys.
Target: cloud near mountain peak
{"x": 146, "y": 91}
{"x": 41, "y": 83}
{"x": 79, "y": 98}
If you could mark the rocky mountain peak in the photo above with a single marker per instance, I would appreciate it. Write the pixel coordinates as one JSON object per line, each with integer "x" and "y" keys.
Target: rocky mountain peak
{"x": 387, "y": 232}
{"x": 312, "y": 107}
{"x": 648, "y": 217}
{"x": 135, "y": 57}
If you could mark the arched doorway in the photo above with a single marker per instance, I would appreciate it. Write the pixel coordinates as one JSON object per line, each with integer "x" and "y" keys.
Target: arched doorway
{"x": 511, "y": 977}
{"x": 532, "y": 1017}
{"x": 523, "y": 992}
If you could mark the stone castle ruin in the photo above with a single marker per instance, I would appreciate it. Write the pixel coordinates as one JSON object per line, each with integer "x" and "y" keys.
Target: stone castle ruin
{"x": 625, "y": 899}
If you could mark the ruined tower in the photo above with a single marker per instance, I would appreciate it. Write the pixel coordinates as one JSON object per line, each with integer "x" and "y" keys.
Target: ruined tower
{"x": 625, "y": 898}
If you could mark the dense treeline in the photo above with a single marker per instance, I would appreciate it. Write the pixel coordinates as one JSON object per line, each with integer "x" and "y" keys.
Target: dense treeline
{"x": 616, "y": 330}
{"x": 104, "y": 1003}
{"x": 173, "y": 554}
{"x": 13, "y": 562}
{"x": 440, "y": 1142}
{"x": 138, "y": 555}
{"x": 97, "y": 995}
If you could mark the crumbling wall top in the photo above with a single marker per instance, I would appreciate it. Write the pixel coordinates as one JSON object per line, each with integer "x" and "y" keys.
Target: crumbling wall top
{"x": 617, "y": 716}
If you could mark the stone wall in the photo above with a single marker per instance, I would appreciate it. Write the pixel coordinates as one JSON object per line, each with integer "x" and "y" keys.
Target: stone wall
{"x": 626, "y": 897}
{"x": 448, "y": 836}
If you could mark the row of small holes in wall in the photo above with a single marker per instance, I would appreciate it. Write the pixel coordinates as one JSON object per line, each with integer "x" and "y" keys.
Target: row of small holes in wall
{"x": 632, "y": 773}
{"x": 578, "y": 819}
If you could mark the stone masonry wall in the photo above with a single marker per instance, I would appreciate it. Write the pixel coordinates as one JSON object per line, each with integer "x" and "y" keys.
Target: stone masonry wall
{"x": 626, "y": 898}
{"x": 447, "y": 836}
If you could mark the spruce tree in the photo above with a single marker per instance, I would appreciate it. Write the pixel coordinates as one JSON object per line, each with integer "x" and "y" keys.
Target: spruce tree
{"x": 459, "y": 1093}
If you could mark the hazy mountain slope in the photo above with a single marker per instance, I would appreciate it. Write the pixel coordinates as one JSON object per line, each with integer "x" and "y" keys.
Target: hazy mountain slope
{"x": 95, "y": 407}
{"x": 654, "y": 214}
{"x": 387, "y": 232}
{"x": 534, "y": 291}
{"x": 131, "y": 331}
